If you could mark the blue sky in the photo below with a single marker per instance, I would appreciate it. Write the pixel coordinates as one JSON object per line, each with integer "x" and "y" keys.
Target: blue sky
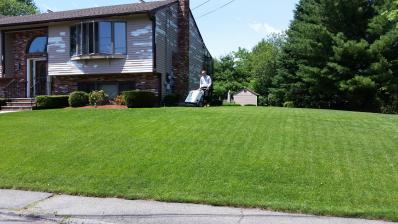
{"x": 240, "y": 24}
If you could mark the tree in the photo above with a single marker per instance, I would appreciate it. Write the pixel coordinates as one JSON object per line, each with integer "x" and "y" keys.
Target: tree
{"x": 327, "y": 61}
{"x": 17, "y": 7}
{"x": 263, "y": 63}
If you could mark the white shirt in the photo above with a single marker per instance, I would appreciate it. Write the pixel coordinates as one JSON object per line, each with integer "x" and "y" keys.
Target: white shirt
{"x": 205, "y": 81}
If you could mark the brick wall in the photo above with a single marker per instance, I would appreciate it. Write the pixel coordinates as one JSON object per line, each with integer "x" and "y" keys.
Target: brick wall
{"x": 181, "y": 59}
{"x": 67, "y": 84}
{"x": 20, "y": 43}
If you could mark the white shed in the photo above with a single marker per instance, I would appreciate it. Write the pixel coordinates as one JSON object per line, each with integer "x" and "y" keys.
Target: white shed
{"x": 246, "y": 97}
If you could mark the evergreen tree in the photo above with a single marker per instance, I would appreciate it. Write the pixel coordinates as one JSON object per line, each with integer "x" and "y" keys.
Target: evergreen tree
{"x": 327, "y": 61}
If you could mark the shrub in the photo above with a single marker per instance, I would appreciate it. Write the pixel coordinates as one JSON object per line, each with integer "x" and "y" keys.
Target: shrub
{"x": 52, "y": 102}
{"x": 140, "y": 99}
{"x": 231, "y": 105}
{"x": 250, "y": 105}
{"x": 289, "y": 104}
{"x": 263, "y": 101}
{"x": 98, "y": 98}
{"x": 119, "y": 100}
{"x": 3, "y": 102}
{"x": 171, "y": 100}
{"x": 78, "y": 99}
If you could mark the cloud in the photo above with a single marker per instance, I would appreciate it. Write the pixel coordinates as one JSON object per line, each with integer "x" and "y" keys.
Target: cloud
{"x": 263, "y": 28}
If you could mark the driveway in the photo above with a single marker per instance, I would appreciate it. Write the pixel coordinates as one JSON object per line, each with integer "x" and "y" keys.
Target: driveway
{"x": 34, "y": 207}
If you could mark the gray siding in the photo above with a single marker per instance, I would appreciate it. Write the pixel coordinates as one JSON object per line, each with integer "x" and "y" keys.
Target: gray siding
{"x": 197, "y": 54}
{"x": 166, "y": 44}
{"x": 139, "y": 58}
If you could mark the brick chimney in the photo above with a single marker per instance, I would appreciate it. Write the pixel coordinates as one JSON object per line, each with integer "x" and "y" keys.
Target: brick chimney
{"x": 181, "y": 62}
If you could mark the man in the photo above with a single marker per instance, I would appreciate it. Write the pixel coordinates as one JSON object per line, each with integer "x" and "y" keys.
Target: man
{"x": 205, "y": 85}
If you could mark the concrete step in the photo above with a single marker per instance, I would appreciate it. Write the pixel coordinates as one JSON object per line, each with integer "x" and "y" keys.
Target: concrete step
{"x": 16, "y": 108}
{"x": 23, "y": 100}
{"x": 13, "y": 103}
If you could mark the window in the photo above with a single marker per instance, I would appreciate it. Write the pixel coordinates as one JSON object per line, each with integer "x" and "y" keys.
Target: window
{"x": 38, "y": 45}
{"x": 120, "y": 40}
{"x": 105, "y": 38}
{"x": 98, "y": 38}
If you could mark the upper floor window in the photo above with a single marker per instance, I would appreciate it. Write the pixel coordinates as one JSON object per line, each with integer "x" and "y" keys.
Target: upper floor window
{"x": 99, "y": 38}
{"x": 38, "y": 45}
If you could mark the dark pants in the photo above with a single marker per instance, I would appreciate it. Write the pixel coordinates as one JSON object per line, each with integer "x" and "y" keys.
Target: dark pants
{"x": 207, "y": 95}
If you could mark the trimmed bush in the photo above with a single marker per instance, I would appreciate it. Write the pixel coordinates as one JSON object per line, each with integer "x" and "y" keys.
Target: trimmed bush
{"x": 250, "y": 105}
{"x": 52, "y": 102}
{"x": 97, "y": 98}
{"x": 171, "y": 100}
{"x": 140, "y": 99}
{"x": 78, "y": 99}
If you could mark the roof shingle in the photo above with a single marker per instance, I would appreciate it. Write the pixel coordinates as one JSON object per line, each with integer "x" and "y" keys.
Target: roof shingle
{"x": 84, "y": 13}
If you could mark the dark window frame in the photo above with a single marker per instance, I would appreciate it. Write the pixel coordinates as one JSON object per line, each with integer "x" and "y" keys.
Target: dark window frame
{"x": 76, "y": 41}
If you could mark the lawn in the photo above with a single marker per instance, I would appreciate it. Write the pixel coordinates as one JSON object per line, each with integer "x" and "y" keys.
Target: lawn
{"x": 300, "y": 160}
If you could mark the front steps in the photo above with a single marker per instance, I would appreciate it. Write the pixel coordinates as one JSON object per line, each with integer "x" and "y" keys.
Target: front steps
{"x": 19, "y": 104}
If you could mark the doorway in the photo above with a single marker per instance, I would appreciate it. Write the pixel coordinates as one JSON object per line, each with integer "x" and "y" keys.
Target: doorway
{"x": 38, "y": 82}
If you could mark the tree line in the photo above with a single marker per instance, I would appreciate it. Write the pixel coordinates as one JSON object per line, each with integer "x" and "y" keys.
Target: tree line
{"x": 336, "y": 54}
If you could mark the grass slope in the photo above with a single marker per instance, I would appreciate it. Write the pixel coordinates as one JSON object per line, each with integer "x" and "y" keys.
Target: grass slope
{"x": 312, "y": 161}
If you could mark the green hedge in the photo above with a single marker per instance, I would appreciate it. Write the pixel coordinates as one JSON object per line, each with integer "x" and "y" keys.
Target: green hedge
{"x": 171, "y": 100}
{"x": 51, "y": 102}
{"x": 78, "y": 99}
{"x": 140, "y": 99}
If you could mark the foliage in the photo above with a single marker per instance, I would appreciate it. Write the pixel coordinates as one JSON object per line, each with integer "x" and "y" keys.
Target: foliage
{"x": 248, "y": 69}
{"x": 339, "y": 54}
{"x": 288, "y": 104}
{"x": 171, "y": 100}
{"x": 78, "y": 99}
{"x": 119, "y": 100}
{"x": 98, "y": 98}
{"x": 140, "y": 99}
{"x": 231, "y": 105}
{"x": 52, "y": 102}
{"x": 17, "y": 7}
{"x": 299, "y": 160}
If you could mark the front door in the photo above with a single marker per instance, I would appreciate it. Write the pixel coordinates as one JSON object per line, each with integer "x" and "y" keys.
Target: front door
{"x": 37, "y": 78}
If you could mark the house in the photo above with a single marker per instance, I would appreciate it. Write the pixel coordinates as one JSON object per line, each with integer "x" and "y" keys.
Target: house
{"x": 246, "y": 97}
{"x": 154, "y": 46}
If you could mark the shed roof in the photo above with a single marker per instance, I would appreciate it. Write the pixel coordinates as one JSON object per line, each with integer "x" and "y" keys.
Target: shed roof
{"x": 248, "y": 90}
{"x": 104, "y": 11}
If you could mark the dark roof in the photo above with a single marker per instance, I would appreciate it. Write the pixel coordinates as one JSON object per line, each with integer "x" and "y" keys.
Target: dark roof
{"x": 85, "y": 13}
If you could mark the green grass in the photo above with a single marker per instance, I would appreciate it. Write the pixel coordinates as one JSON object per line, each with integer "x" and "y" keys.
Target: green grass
{"x": 311, "y": 161}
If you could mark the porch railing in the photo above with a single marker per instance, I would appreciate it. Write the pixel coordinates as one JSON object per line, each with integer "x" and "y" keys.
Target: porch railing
{"x": 15, "y": 88}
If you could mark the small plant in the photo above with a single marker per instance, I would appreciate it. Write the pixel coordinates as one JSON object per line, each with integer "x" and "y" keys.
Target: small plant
{"x": 97, "y": 98}
{"x": 140, "y": 99}
{"x": 78, "y": 99}
{"x": 288, "y": 104}
{"x": 250, "y": 105}
{"x": 119, "y": 100}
